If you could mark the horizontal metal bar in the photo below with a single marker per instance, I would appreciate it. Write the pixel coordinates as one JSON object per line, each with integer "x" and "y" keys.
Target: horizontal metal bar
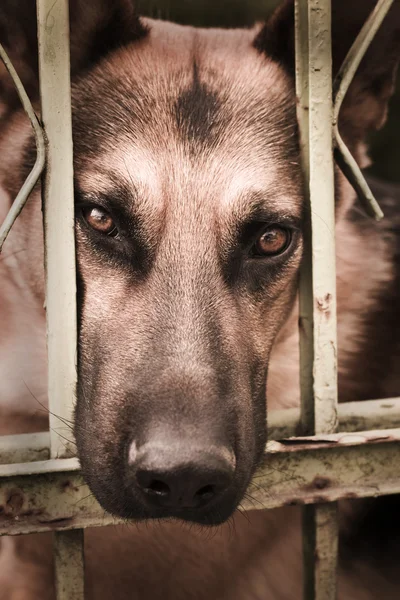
{"x": 24, "y": 447}
{"x": 38, "y": 167}
{"x": 353, "y": 416}
{"x": 53, "y": 465}
{"x": 52, "y": 495}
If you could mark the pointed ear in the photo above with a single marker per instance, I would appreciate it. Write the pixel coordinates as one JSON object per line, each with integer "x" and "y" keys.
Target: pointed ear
{"x": 365, "y": 106}
{"x": 96, "y": 28}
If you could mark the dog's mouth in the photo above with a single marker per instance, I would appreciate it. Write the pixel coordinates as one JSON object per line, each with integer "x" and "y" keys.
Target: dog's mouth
{"x": 210, "y": 516}
{"x": 210, "y": 508}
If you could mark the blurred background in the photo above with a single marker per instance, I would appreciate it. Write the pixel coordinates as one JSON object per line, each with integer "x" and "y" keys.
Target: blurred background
{"x": 385, "y": 145}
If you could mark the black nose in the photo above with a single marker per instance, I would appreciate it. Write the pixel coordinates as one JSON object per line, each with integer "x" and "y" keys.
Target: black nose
{"x": 181, "y": 476}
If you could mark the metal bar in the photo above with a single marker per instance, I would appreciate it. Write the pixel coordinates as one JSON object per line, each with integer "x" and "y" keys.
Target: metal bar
{"x": 69, "y": 561}
{"x": 320, "y": 547}
{"x": 353, "y": 416}
{"x": 52, "y": 496}
{"x": 305, "y": 283}
{"x": 341, "y": 85}
{"x": 54, "y": 71}
{"x": 318, "y": 295}
{"x": 59, "y": 227}
{"x": 24, "y": 447}
{"x": 318, "y": 368}
{"x": 38, "y": 167}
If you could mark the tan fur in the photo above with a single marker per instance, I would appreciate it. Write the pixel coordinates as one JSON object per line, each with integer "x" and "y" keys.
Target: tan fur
{"x": 257, "y": 556}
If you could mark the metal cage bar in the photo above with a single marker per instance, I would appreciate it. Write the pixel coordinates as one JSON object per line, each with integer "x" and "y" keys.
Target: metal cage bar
{"x": 69, "y": 565}
{"x": 59, "y": 223}
{"x": 353, "y": 417}
{"x": 342, "y": 82}
{"x": 51, "y": 495}
{"x": 39, "y": 165}
{"x": 317, "y": 301}
{"x": 59, "y": 230}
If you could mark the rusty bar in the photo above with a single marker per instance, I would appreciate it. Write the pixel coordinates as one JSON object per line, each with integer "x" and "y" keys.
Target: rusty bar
{"x": 318, "y": 291}
{"x": 59, "y": 228}
{"x": 51, "y": 495}
{"x": 321, "y": 542}
{"x": 59, "y": 221}
{"x": 69, "y": 565}
{"x": 353, "y": 416}
{"x": 318, "y": 368}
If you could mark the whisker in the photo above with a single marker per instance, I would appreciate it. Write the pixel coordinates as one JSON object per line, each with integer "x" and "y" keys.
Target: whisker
{"x": 66, "y": 422}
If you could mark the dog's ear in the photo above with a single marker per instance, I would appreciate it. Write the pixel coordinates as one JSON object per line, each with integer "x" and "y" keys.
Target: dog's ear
{"x": 365, "y": 105}
{"x": 96, "y": 28}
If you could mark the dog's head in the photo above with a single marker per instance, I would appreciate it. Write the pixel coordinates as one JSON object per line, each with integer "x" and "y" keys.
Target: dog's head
{"x": 189, "y": 214}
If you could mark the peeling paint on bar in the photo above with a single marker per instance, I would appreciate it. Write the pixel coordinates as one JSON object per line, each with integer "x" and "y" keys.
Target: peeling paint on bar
{"x": 59, "y": 228}
{"x": 353, "y": 417}
{"x": 322, "y": 544}
{"x": 69, "y": 565}
{"x": 51, "y": 495}
{"x": 317, "y": 320}
{"x": 58, "y": 190}
{"x": 318, "y": 291}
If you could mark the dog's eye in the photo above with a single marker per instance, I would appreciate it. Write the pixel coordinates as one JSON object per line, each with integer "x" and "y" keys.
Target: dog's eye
{"x": 100, "y": 220}
{"x": 274, "y": 240}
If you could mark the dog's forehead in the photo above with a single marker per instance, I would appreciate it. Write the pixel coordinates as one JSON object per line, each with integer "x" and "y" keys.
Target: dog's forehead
{"x": 188, "y": 109}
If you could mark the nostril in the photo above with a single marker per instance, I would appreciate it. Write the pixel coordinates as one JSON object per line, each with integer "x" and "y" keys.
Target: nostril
{"x": 205, "y": 494}
{"x": 152, "y": 485}
{"x": 178, "y": 477}
{"x": 158, "y": 488}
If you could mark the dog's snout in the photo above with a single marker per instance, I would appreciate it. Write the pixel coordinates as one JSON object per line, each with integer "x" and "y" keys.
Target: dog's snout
{"x": 180, "y": 476}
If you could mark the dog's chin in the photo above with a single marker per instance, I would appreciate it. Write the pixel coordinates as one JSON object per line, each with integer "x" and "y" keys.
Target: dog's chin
{"x": 132, "y": 510}
{"x": 205, "y": 519}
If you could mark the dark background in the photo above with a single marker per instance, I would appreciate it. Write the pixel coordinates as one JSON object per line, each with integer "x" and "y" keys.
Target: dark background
{"x": 385, "y": 145}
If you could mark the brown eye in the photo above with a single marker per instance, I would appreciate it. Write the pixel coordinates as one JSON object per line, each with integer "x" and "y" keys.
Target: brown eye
{"x": 100, "y": 220}
{"x": 273, "y": 241}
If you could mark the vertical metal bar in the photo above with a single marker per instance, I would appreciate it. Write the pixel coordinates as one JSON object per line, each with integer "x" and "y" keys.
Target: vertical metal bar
{"x": 69, "y": 568}
{"x": 320, "y": 548}
{"x": 318, "y": 281}
{"x": 54, "y": 71}
{"x": 58, "y": 196}
{"x": 318, "y": 366}
{"x": 306, "y": 323}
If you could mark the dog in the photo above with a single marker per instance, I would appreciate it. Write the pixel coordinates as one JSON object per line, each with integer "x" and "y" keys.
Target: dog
{"x": 189, "y": 230}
